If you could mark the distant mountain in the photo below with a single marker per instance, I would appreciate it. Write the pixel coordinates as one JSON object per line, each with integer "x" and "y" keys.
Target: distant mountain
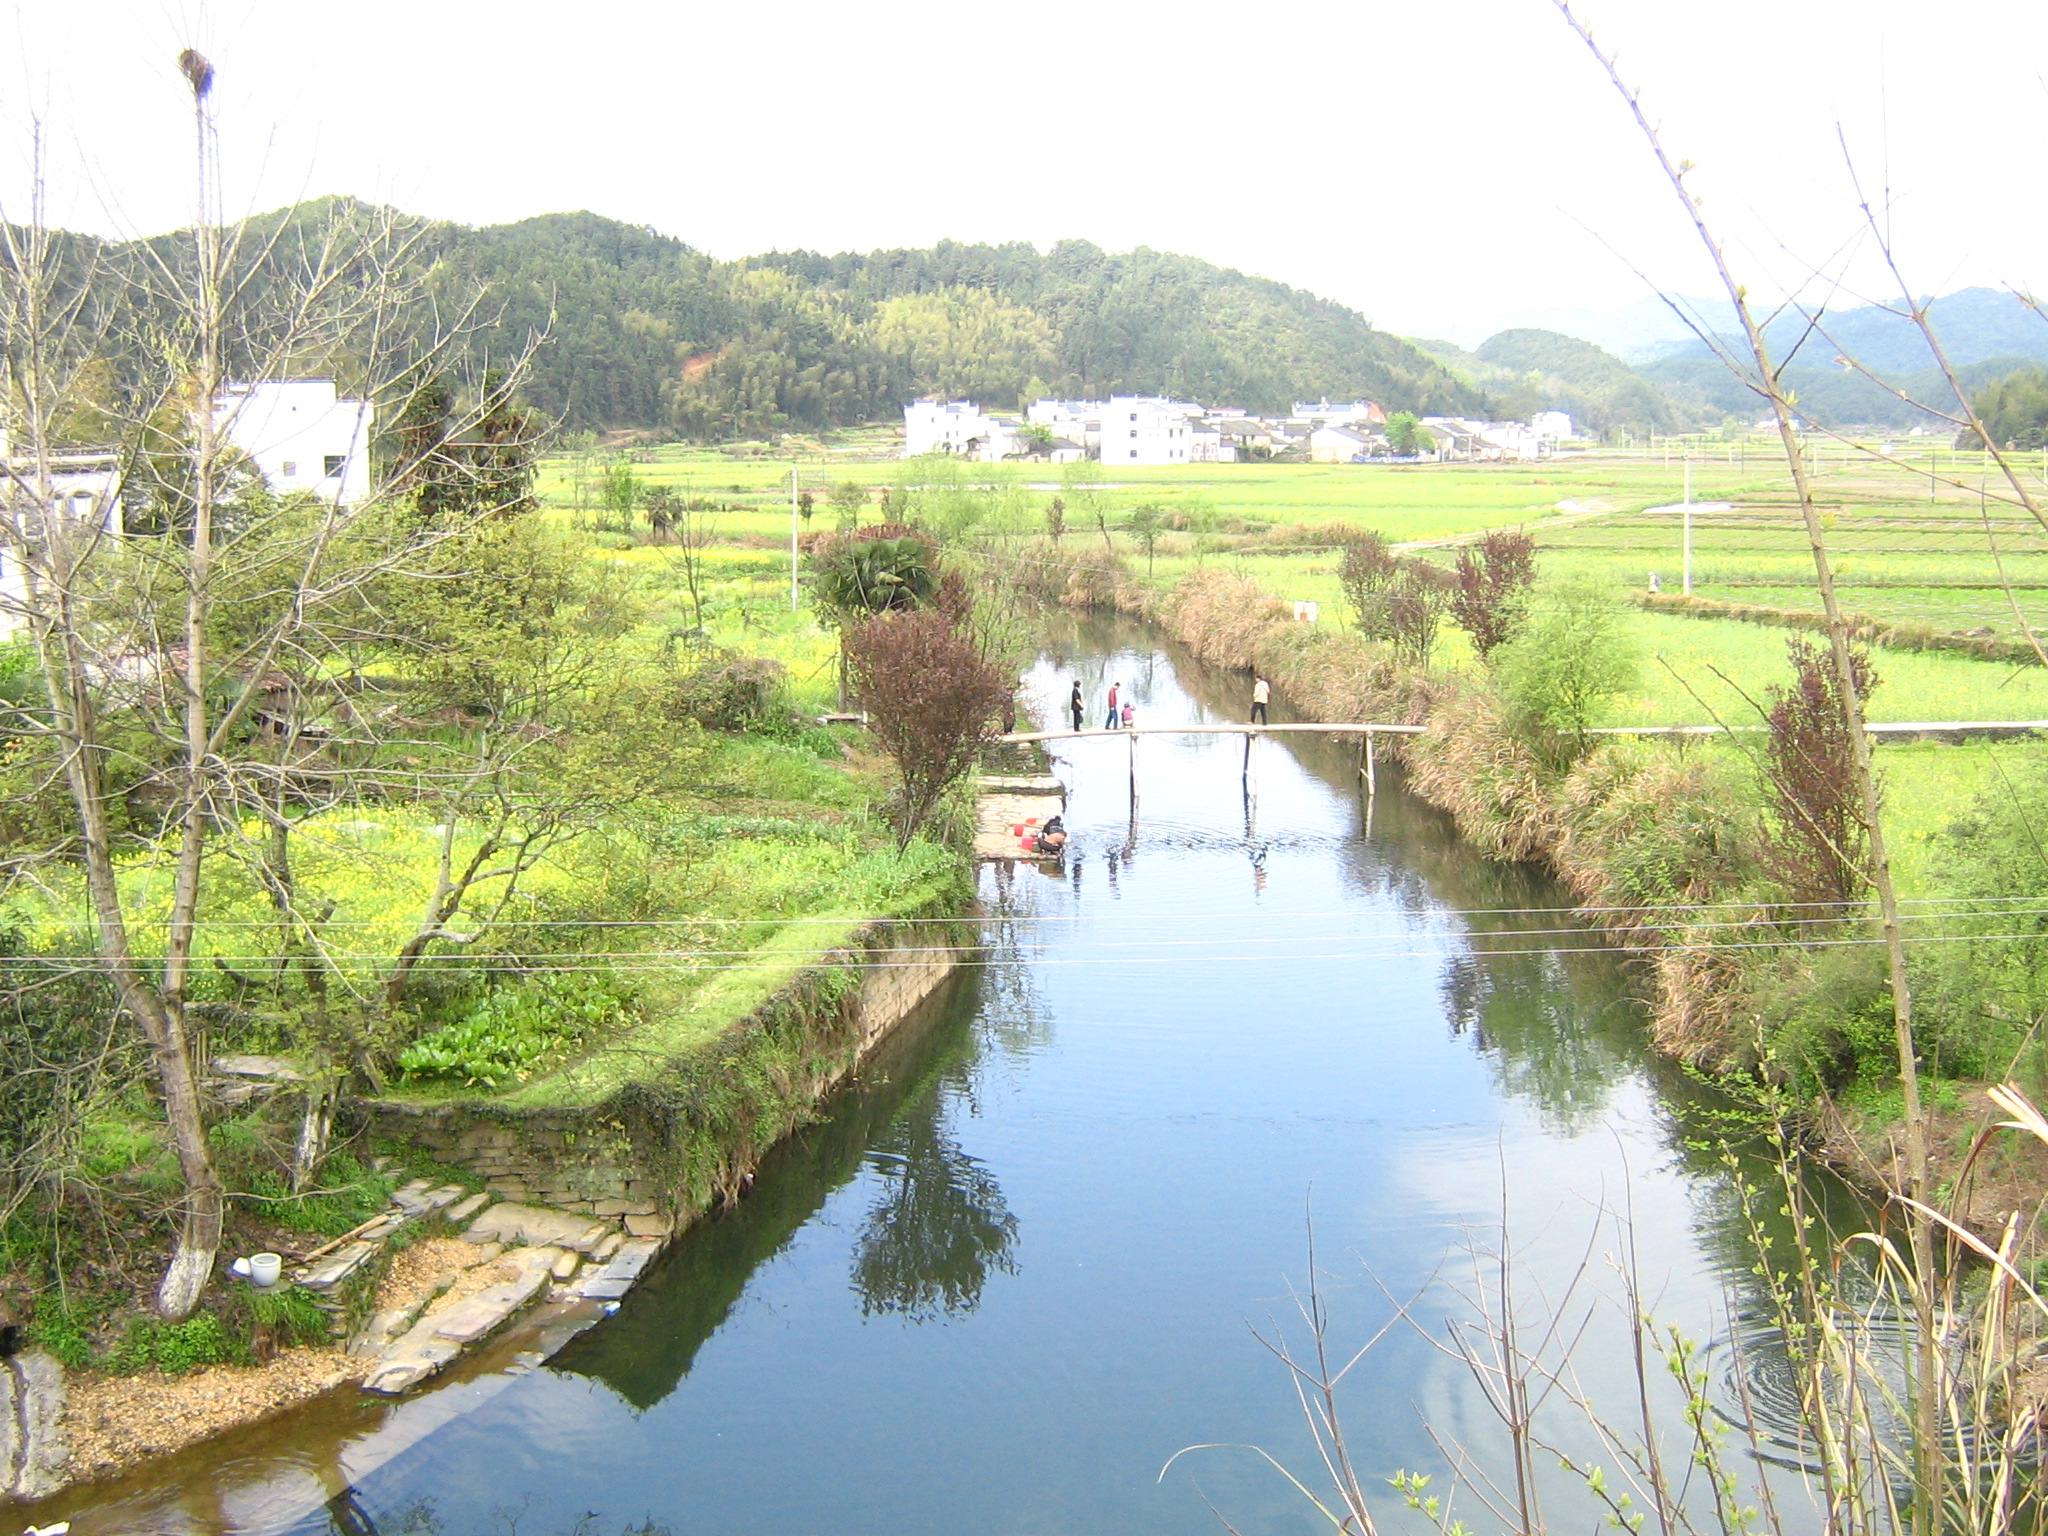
{"x": 1526, "y": 370}
{"x": 1986, "y": 334}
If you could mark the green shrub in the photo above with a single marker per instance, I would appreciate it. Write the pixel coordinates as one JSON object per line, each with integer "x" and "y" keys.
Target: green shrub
{"x": 724, "y": 691}
{"x": 1829, "y": 1028}
{"x": 64, "y": 1329}
{"x": 507, "y": 1033}
{"x": 174, "y": 1348}
{"x": 1573, "y": 654}
{"x": 285, "y": 1315}
{"x": 345, "y": 1195}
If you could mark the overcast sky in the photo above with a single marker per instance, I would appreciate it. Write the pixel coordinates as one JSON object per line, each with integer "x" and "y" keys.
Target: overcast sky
{"x": 1447, "y": 168}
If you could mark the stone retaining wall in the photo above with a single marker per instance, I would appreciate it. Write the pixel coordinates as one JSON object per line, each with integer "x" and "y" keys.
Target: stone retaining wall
{"x": 587, "y": 1160}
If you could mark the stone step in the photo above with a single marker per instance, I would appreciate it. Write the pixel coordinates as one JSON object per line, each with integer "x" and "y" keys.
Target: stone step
{"x": 416, "y": 1199}
{"x": 338, "y": 1266}
{"x": 465, "y": 1210}
{"x": 537, "y": 1226}
{"x": 1020, "y": 784}
{"x": 619, "y": 1273}
{"x": 443, "y": 1332}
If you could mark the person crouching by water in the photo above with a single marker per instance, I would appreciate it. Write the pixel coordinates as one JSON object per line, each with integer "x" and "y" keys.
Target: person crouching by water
{"x": 1262, "y": 694}
{"x": 1076, "y": 705}
{"x": 1130, "y": 714}
{"x": 1111, "y": 723}
{"x": 1052, "y": 837}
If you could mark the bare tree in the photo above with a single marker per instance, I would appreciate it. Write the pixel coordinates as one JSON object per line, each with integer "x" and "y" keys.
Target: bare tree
{"x": 1755, "y": 367}
{"x": 176, "y": 642}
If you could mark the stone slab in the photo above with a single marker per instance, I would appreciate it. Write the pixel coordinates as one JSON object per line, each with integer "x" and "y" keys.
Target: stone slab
{"x": 338, "y": 1266}
{"x": 1020, "y": 784}
{"x": 608, "y": 1247}
{"x": 270, "y": 1069}
{"x": 479, "y": 1316}
{"x": 537, "y": 1226}
{"x": 619, "y": 1273}
{"x": 566, "y": 1265}
{"x": 33, "y": 1451}
{"x": 379, "y": 1332}
{"x": 442, "y": 1333}
{"x": 465, "y": 1210}
{"x": 409, "y": 1362}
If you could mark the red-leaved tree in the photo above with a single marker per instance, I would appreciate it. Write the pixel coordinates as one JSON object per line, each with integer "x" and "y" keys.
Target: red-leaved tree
{"x": 1819, "y": 848}
{"x": 933, "y": 702}
{"x": 1491, "y": 588}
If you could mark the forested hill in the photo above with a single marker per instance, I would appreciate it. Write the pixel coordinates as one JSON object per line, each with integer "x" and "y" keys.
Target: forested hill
{"x": 1524, "y": 371}
{"x": 649, "y": 333}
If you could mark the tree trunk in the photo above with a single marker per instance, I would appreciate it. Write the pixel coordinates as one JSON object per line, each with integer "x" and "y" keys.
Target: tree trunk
{"x": 316, "y": 1127}
{"x": 201, "y": 1206}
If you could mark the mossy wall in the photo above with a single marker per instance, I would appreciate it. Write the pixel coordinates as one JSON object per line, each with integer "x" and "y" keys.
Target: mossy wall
{"x": 687, "y": 1134}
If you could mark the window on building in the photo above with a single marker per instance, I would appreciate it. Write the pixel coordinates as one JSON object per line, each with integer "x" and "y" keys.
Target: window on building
{"x": 1134, "y": 431}
{"x": 333, "y": 463}
{"x": 291, "y": 469}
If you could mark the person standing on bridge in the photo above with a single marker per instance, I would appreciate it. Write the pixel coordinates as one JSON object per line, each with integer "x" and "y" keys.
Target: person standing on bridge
{"x": 1076, "y": 705}
{"x": 1111, "y": 723}
{"x": 1262, "y": 693}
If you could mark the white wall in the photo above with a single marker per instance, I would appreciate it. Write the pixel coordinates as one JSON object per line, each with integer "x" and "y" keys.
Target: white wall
{"x": 1326, "y": 445}
{"x": 302, "y": 436}
{"x": 1140, "y": 430}
{"x": 83, "y": 488}
{"x": 941, "y": 426}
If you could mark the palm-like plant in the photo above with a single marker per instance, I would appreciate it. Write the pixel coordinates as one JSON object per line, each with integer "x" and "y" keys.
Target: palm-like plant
{"x": 881, "y": 569}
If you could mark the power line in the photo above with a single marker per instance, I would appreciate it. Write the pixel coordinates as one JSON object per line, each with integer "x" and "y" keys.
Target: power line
{"x": 1971, "y": 904}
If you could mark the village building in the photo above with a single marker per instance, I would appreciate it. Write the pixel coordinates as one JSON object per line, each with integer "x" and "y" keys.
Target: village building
{"x": 84, "y": 488}
{"x": 1332, "y": 443}
{"x": 942, "y": 426}
{"x": 302, "y": 435}
{"x": 1143, "y": 430}
{"x": 1348, "y": 413}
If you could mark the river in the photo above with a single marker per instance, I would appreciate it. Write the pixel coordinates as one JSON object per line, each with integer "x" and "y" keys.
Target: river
{"x": 1032, "y": 1254}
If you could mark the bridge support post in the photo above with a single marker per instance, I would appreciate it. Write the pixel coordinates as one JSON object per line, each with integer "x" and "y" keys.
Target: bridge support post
{"x": 1365, "y": 766}
{"x": 1131, "y": 741}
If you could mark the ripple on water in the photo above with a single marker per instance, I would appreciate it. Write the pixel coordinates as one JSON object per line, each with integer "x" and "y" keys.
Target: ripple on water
{"x": 1755, "y": 1364}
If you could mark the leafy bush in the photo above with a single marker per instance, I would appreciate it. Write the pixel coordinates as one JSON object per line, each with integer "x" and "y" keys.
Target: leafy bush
{"x": 1492, "y": 586}
{"x": 1977, "y": 1002}
{"x": 1828, "y": 1028}
{"x": 506, "y": 1034}
{"x": 64, "y": 1330}
{"x": 345, "y": 1195}
{"x": 174, "y": 1348}
{"x": 724, "y": 691}
{"x": 282, "y": 1316}
{"x": 1819, "y": 848}
{"x": 17, "y": 671}
{"x": 1571, "y": 657}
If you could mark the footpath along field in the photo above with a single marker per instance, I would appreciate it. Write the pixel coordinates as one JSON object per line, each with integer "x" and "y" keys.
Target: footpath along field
{"x": 1912, "y": 550}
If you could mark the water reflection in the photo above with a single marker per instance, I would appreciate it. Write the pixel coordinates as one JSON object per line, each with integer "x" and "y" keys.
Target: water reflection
{"x": 957, "y": 1225}
{"x": 937, "y": 1226}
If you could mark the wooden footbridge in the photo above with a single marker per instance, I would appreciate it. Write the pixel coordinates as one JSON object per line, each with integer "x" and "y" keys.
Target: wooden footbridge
{"x": 1013, "y": 800}
{"x": 1365, "y": 730}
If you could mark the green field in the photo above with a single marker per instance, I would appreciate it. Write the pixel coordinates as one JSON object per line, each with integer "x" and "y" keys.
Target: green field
{"x": 1908, "y": 550}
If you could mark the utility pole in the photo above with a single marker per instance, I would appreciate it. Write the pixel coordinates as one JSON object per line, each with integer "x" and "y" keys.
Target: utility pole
{"x": 1688, "y": 525}
{"x": 792, "y": 537}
